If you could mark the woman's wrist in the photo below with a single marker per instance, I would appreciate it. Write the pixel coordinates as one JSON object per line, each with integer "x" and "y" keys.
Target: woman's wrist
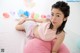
{"x": 28, "y": 19}
{"x": 54, "y": 52}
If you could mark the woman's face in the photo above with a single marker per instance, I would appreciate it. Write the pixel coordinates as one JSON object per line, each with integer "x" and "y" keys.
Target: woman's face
{"x": 57, "y": 17}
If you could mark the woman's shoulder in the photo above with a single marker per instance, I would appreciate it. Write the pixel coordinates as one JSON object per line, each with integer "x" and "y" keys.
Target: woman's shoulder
{"x": 62, "y": 34}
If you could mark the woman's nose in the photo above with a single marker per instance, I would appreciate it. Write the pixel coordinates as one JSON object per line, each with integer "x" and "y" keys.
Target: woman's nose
{"x": 53, "y": 18}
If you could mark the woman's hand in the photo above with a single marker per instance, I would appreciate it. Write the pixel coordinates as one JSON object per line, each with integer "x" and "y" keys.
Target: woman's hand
{"x": 22, "y": 20}
{"x": 54, "y": 52}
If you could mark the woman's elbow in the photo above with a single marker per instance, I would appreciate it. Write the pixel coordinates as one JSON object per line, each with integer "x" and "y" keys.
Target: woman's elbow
{"x": 17, "y": 28}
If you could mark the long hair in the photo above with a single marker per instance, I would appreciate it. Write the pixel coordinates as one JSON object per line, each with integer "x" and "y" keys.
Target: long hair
{"x": 65, "y": 9}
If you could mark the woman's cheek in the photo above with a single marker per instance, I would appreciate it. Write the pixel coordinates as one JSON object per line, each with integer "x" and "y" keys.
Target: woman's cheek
{"x": 60, "y": 22}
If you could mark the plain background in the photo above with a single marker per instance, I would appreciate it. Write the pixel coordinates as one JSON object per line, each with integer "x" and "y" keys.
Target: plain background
{"x": 13, "y": 41}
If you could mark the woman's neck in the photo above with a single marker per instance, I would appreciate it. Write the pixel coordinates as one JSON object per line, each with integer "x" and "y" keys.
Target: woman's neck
{"x": 54, "y": 29}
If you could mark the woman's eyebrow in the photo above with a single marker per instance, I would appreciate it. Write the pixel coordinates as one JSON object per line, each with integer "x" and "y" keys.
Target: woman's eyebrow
{"x": 58, "y": 13}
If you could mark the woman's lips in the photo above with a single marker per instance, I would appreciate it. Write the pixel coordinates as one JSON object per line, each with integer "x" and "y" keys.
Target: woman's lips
{"x": 54, "y": 22}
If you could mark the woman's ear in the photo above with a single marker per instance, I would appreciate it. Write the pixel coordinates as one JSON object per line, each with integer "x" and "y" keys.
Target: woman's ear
{"x": 65, "y": 19}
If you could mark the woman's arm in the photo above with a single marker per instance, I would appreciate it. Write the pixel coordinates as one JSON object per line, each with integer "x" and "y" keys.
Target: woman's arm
{"x": 23, "y": 19}
{"x": 19, "y": 25}
{"x": 41, "y": 20}
{"x": 58, "y": 42}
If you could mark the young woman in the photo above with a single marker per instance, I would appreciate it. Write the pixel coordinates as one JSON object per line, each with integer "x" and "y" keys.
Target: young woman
{"x": 48, "y": 35}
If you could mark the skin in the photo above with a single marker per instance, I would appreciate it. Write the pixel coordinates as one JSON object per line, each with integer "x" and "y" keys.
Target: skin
{"x": 57, "y": 18}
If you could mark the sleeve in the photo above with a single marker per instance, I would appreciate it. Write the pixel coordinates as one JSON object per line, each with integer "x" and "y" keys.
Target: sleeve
{"x": 49, "y": 35}
{"x": 44, "y": 33}
{"x": 28, "y": 25}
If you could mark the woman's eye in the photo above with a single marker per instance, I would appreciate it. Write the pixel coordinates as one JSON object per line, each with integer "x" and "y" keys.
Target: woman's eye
{"x": 52, "y": 14}
{"x": 58, "y": 16}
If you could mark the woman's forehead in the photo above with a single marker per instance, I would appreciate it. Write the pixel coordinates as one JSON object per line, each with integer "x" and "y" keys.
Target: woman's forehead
{"x": 56, "y": 11}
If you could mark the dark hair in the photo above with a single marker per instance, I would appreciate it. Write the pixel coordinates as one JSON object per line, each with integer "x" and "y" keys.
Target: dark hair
{"x": 65, "y": 9}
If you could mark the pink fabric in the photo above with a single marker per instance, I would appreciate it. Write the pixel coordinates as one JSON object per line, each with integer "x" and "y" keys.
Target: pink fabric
{"x": 44, "y": 44}
{"x": 29, "y": 25}
{"x": 63, "y": 49}
{"x": 45, "y": 33}
{"x": 38, "y": 46}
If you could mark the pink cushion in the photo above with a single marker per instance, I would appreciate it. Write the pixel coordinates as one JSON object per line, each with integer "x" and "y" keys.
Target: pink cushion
{"x": 38, "y": 46}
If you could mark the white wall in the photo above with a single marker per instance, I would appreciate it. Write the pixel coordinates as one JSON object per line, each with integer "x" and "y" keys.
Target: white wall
{"x": 13, "y": 41}
{"x": 73, "y": 27}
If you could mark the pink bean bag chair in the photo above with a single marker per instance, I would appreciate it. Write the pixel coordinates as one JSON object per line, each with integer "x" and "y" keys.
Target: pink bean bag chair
{"x": 43, "y": 45}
